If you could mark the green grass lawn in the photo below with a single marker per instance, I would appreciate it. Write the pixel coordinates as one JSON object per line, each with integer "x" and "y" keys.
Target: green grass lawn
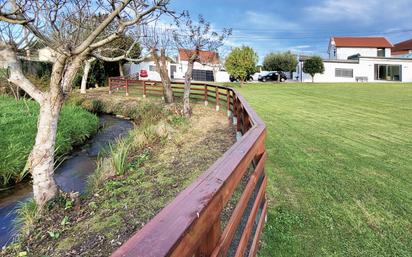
{"x": 18, "y": 128}
{"x": 339, "y": 167}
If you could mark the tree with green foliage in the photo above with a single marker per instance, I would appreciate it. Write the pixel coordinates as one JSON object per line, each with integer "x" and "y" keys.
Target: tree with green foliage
{"x": 313, "y": 66}
{"x": 241, "y": 63}
{"x": 286, "y": 62}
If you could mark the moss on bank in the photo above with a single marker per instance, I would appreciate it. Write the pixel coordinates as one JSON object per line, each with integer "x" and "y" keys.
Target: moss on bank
{"x": 166, "y": 152}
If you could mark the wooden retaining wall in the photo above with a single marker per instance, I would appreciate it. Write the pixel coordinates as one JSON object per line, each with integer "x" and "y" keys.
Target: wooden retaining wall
{"x": 191, "y": 224}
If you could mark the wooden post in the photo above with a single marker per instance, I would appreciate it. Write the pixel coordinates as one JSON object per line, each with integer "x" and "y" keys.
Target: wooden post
{"x": 238, "y": 116}
{"x": 246, "y": 122}
{"x": 144, "y": 89}
{"x": 127, "y": 87}
{"x": 228, "y": 103}
{"x": 211, "y": 240}
{"x": 206, "y": 96}
{"x": 110, "y": 86}
{"x": 217, "y": 99}
{"x": 234, "y": 116}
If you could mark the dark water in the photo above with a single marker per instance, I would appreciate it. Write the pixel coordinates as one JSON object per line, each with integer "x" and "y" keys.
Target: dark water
{"x": 71, "y": 175}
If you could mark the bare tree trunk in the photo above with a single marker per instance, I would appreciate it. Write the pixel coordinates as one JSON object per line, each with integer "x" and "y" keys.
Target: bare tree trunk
{"x": 241, "y": 82}
{"x": 313, "y": 78}
{"x": 121, "y": 72}
{"x": 41, "y": 160}
{"x": 86, "y": 71}
{"x": 161, "y": 65}
{"x": 187, "y": 110}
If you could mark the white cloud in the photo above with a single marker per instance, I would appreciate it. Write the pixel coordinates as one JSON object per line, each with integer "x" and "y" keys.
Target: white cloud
{"x": 364, "y": 11}
{"x": 302, "y": 46}
{"x": 269, "y": 21}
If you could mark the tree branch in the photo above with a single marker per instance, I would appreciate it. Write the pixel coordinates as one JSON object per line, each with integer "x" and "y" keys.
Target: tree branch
{"x": 89, "y": 40}
{"x": 122, "y": 26}
{"x": 119, "y": 58}
{"x": 8, "y": 56}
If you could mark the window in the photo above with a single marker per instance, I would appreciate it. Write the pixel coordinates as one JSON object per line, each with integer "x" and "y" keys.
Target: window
{"x": 152, "y": 68}
{"x": 344, "y": 73}
{"x": 388, "y": 72}
{"x": 381, "y": 52}
{"x": 203, "y": 75}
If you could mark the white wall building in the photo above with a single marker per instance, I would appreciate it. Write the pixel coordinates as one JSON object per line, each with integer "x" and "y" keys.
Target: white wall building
{"x": 208, "y": 68}
{"x": 360, "y": 60}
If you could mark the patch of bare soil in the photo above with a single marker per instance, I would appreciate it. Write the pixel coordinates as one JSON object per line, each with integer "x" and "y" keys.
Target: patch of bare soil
{"x": 100, "y": 222}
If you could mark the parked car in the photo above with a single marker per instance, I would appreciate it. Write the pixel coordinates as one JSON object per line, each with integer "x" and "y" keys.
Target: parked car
{"x": 143, "y": 74}
{"x": 233, "y": 79}
{"x": 273, "y": 76}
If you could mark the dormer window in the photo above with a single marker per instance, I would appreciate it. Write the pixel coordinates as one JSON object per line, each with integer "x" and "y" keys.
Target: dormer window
{"x": 381, "y": 52}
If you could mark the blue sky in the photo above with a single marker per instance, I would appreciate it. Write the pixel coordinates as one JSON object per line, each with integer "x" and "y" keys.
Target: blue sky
{"x": 302, "y": 26}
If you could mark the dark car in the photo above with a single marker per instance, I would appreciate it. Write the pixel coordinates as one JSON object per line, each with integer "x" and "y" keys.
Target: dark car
{"x": 273, "y": 76}
{"x": 233, "y": 79}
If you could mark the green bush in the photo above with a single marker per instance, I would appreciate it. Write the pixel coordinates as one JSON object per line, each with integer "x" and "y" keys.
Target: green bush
{"x": 119, "y": 152}
{"x": 18, "y": 128}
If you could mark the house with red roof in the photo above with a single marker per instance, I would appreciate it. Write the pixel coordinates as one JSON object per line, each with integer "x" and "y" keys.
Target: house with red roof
{"x": 403, "y": 49}
{"x": 362, "y": 59}
{"x": 340, "y": 48}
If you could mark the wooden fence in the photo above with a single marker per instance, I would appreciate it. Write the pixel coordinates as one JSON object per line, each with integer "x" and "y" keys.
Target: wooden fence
{"x": 191, "y": 225}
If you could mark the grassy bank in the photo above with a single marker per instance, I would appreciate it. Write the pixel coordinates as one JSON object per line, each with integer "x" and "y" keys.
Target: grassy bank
{"x": 18, "y": 128}
{"x": 135, "y": 179}
{"x": 340, "y": 168}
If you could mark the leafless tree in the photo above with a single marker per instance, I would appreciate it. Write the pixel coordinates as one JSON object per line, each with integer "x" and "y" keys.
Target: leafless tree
{"x": 66, "y": 28}
{"x": 158, "y": 39}
{"x": 194, "y": 37}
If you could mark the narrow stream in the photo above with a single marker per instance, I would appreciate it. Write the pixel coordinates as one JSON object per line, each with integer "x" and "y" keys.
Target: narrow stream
{"x": 71, "y": 175}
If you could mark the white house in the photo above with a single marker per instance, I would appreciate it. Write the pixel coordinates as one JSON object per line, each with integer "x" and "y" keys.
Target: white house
{"x": 208, "y": 68}
{"x": 148, "y": 65}
{"x": 360, "y": 59}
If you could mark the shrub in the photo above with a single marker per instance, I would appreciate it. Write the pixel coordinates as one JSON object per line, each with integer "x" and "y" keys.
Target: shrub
{"x": 27, "y": 213}
{"x": 119, "y": 153}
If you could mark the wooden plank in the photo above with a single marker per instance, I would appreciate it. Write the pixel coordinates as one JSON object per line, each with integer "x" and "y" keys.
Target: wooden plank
{"x": 234, "y": 220}
{"x": 249, "y": 225}
{"x": 259, "y": 229}
{"x": 210, "y": 240}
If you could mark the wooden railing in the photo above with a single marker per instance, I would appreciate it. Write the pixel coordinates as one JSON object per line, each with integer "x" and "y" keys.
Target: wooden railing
{"x": 191, "y": 225}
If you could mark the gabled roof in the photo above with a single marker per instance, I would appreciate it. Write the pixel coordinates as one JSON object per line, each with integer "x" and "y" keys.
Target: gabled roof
{"x": 209, "y": 57}
{"x": 403, "y": 46}
{"x": 361, "y": 42}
